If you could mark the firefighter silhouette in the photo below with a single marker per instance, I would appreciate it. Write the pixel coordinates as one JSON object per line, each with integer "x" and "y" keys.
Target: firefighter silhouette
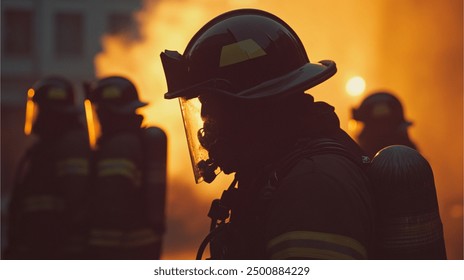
{"x": 129, "y": 176}
{"x": 382, "y": 116}
{"x": 45, "y": 212}
{"x": 299, "y": 189}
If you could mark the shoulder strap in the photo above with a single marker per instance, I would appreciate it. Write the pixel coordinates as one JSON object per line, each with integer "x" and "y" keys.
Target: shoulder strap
{"x": 307, "y": 148}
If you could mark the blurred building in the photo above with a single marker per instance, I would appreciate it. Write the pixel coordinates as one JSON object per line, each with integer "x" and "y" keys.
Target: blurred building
{"x": 49, "y": 37}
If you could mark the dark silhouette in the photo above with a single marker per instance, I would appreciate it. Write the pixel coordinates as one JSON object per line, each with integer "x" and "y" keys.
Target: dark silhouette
{"x": 45, "y": 212}
{"x": 384, "y": 123}
{"x": 129, "y": 181}
{"x": 301, "y": 189}
{"x": 408, "y": 223}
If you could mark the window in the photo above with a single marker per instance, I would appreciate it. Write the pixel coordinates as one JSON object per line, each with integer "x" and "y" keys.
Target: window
{"x": 119, "y": 23}
{"x": 122, "y": 24}
{"x": 69, "y": 34}
{"x": 18, "y": 32}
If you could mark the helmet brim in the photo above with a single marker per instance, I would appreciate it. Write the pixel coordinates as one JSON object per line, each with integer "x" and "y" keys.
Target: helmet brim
{"x": 127, "y": 108}
{"x": 301, "y": 79}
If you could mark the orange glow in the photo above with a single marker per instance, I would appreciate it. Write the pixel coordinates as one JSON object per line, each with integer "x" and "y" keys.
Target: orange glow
{"x": 352, "y": 125}
{"x": 388, "y": 41}
{"x": 30, "y": 108}
{"x": 90, "y": 123}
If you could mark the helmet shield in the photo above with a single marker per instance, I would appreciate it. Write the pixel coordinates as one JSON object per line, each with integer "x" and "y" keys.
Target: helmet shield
{"x": 31, "y": 112}
{"x": 203, "y": 167}
{"x": 93, "y": 125}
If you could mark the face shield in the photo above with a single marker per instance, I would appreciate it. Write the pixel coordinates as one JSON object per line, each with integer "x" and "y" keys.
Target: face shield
{"x": 204, "y": 168}
{"x": 93, "y": 125}
{"x": 50, "y": 101}
{"x": 31, "y": 112}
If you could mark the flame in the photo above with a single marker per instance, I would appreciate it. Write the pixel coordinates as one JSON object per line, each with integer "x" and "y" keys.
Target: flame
{"x": 387, "y": 51}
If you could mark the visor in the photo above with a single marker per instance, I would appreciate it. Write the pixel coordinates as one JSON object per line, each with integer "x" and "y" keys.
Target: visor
{"x": 203, "y": 168}
{"x": 93, "y": 125}
{"x": 31, "y": 112}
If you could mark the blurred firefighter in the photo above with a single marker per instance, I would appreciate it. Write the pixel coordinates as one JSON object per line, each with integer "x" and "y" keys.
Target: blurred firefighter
{"x": 129, "y": 182}
{"x": 45, "y": 212}
{"x": 301, "y": 193}
{"x": 382, "y": 116}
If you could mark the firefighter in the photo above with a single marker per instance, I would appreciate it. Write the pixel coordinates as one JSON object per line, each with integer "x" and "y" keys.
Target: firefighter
{"x": 382, "y": 116}
{"x": 299, "y": 190}
{"x": 45, "y": 214}
{"x": 129, "y": 181}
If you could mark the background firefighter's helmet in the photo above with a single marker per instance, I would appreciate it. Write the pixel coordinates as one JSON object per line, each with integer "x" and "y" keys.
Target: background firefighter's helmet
{"x": 380, "y": 107}
{"x": 116, "y": 94}
{"x": 55, "y": 94}
{"x": 49, "y": 98}
{"x": 244, "y": 54}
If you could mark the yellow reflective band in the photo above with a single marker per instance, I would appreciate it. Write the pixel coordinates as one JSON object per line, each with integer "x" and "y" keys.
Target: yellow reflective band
{"x": 309, "y": 253}
{"x": 309, "y": 244}
{"x": 111, "y": 92}
{"x": 73, "y": 166}
{"x": 56, "y": 93}
{"x": 103, "y": 242}
{"x": 140, "y": 233}
{"x": 412, "y": 231}
{"x": 30, "y": 108}
{"x": 239, "y": 52}
{"x": 42, "y": 203}
{"x": 116, "y": 238}
{"x": 105, "y": 238}
{"x": 122, "y": 167}
{"x": 106, "y": 233}
{"x": 141, "y": 237}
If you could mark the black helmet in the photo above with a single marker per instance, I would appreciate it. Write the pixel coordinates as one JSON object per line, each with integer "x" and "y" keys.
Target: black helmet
{"x": 116, "y": 94}
{"x": 244, "y": 54}
{"x": 381, "y": 107}
{"x": 54, "y": 94}
{"x": 49, "y": 101}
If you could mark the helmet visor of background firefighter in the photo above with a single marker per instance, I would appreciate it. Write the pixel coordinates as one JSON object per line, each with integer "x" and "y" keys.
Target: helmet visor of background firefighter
{"x": 51, "y": 100}
{"x": 202, "y": 165}
{"x": 31, "y": 112}
{"x": 93, "y": 124}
